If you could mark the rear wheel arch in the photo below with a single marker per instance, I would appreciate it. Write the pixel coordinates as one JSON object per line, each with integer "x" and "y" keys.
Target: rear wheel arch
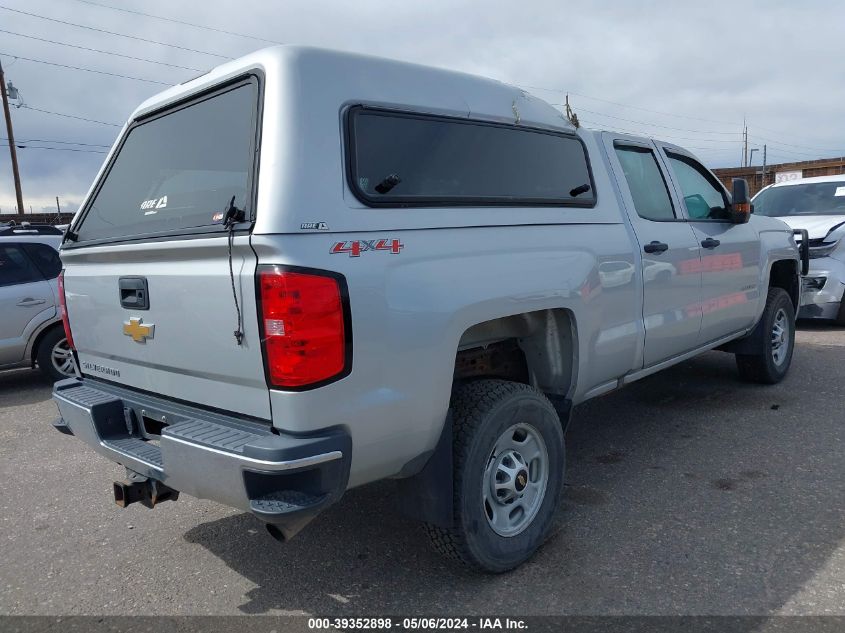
{"x": 537, "y": 348}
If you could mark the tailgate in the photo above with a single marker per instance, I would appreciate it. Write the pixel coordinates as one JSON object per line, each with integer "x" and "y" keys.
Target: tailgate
{"x": 190, "y": 352}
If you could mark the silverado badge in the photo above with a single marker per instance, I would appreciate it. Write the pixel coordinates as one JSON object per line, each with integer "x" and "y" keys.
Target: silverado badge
{"x": 138, "y": 331}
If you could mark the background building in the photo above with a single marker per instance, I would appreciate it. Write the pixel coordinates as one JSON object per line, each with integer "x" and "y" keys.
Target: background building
{"x": 781, "y": 171}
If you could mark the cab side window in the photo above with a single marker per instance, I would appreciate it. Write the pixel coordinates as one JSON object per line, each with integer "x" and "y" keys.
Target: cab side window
{"x": 645, "y": 182}
{"x": 16, "y": 267}
{"x": 704, "y": 198}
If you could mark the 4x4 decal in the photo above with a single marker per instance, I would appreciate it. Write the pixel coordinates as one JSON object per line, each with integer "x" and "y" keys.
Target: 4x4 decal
{"x": 356, "y": 247}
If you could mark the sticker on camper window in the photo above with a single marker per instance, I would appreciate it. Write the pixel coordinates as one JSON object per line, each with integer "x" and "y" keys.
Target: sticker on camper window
{"x": 840, "y": 191}
{"x": 155, "y": 203}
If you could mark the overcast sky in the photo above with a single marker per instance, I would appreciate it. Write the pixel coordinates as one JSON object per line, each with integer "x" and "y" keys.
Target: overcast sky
{"x": 686, "y": 72}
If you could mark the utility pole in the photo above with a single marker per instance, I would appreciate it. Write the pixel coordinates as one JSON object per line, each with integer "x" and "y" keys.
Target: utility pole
{"x": 744, "y": 143}
{"x": 11, "y": 136}
{"x": 763, "y": 179}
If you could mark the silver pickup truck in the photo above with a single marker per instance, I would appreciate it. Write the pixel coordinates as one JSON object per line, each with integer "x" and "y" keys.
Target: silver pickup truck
{"x": 305, "y": 271}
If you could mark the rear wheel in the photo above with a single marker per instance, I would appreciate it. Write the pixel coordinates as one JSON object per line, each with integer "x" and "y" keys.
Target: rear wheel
{"x": 54, "y": 356}
{"x": 508, "y": 475}
{"x": 776, "y": 335}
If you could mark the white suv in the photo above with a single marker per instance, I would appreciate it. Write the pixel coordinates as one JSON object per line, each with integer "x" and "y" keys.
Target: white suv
{"x": 30, "y": 325}
{"x": 817, "y": 205}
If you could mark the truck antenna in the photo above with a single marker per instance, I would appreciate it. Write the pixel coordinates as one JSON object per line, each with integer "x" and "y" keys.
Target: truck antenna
{"x": 570, "y": 114}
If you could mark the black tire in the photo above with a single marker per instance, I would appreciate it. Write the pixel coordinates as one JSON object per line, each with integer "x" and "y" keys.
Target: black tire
{"x": 840, "y": 317}
{"x": 482, "y": 411}
{"x": 761, "y": 366}
{"x": 43, "y": 355}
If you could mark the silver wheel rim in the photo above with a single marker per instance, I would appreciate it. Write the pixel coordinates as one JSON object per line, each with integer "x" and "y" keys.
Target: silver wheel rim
{"x": 780, "y": 337}
{"x": 62, "y": 358}
{"x": 515, "y": 480}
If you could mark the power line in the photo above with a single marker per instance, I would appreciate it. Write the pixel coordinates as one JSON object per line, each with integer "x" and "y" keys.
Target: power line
{"x": 625, "y": 105}
{"x": 818, "y": 149}
{"x": 70, "y": 116}
{"x": 41, "y": 140}
{"x": 757, "y": 137}
{"x": 666, "y": 136}
{"x": 667, "y": 127}
{"x": 131, "y": 37}
{"x": 728, "y": 146}
{"x": 62, "y": 149}
{"x": 182, "y": 22}
{"x": 88, "y": 70}
{"x": 97, "y": 50}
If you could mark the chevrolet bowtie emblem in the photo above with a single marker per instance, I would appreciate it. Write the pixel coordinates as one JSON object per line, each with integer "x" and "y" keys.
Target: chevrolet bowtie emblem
{"x": 137, "y": 330}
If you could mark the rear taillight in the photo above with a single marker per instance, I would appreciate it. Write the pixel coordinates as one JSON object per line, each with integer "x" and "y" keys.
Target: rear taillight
{"x": 305, "y": 325}
{"x": 63, "y": 310}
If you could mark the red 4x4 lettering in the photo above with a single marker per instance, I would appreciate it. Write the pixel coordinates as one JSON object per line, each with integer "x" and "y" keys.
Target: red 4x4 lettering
{"x": 356, "y": 247}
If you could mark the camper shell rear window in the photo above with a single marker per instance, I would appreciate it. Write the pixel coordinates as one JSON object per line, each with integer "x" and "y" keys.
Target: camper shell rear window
{"x": 178, "y": 171}
{"x": 401, "y": 159}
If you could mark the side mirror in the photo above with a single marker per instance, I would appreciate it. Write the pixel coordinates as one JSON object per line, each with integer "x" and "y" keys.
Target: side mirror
{"x": 740, "y": 202}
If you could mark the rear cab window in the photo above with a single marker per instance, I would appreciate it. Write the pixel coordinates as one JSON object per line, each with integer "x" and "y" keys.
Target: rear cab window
{"x": 176, "y": 172}
{"x": 648, "y": 188}
{"x": 402, "y": 159}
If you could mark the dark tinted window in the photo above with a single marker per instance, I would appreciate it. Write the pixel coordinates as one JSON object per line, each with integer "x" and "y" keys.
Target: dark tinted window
{"x": 16, "y": 267}
{"x": 818, "y": 198}
{"x": 45, "y": 258}
{"x": 703, "y": 196}
{"x": 178, "y": 171}
{"x": 645, "y": 182}
{"x": 399, "y": 158}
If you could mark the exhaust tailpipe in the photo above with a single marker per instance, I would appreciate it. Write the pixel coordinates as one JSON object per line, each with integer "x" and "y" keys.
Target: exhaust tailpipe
{"x": 275, "y": 532}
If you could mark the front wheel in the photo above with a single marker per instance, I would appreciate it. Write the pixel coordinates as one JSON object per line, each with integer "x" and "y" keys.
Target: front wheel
{"x": 840, "y": 316}
{"x": 508, "y": 475}
{"x": 54, "y": 356}
{"x": 776, "y": 336}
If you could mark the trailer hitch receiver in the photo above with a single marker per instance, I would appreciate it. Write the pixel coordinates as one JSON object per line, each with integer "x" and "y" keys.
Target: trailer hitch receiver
{"x": 149, "y": 492}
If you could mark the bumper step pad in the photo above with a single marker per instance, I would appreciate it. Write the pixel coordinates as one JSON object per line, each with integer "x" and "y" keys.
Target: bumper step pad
{"x": 213, "y": 435}
{"x": 144, "y": 451}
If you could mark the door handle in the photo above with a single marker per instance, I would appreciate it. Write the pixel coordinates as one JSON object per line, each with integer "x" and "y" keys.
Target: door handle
{"x": 29, "y": 301}
{"x": 656, "y": 247}
{"x": 710, "y": 243}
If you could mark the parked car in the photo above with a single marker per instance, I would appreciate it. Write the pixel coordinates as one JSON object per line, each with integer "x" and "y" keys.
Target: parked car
{"x": 31, "y": 329}
{"x": 817, "y": 205}
{"x": 305, "y": 271}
